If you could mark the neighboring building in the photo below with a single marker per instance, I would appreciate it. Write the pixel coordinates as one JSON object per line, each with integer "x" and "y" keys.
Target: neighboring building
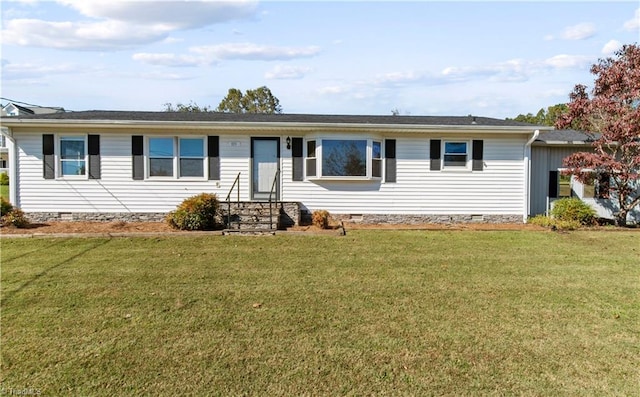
{"x": 11, "y": 110}
{"x": 548, "y": 184}
{"x": 407, "y": 169}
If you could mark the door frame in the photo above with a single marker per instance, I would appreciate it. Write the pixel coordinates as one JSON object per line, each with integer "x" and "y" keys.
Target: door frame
{"x": 276, "y": 139}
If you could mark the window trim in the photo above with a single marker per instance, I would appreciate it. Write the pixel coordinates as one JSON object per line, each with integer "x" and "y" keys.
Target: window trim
{"x": 175, "y": 158}
{"x": 317, "y": 160}
{"x": 468, "y": 155}
{"x": 58, "y": 156}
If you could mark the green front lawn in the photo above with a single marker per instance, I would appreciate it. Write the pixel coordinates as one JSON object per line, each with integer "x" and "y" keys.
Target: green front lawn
{"x": 371, "y": 313}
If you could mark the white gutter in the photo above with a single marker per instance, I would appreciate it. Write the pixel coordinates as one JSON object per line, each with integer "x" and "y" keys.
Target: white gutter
{"x": 527, "y": 173}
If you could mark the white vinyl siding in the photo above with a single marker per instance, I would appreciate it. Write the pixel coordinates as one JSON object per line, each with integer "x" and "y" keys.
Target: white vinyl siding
{"x": 499, "y": 190}
{"x": 116, "y": 191}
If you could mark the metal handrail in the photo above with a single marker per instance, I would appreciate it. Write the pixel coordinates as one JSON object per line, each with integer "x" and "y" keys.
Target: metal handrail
{"x": 274, "y": 186}
{"x": 236, "y": 183}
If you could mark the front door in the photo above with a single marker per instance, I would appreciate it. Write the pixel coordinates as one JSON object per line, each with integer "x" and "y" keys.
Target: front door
{"x": 265, "y": 158}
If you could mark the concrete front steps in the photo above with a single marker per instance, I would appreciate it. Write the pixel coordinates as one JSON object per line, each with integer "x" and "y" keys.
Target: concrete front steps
{"x": 255, "y": 218}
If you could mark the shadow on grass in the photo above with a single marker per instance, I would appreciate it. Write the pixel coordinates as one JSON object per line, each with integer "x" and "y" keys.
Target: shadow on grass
{"x": 7, "y": 296}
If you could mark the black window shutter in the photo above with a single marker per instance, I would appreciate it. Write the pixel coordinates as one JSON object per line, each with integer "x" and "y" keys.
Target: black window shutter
{"x": 137, "y": 156}
{"x": 94, "y": 156}
{"x": 390, "y": 160}
{"x": 213, "y": 149}
{"x": 298, "y": 160}
{"x": 477, "y": 149}
{"x": 49, "y": 161}
{"x": 553, "y": 184}
{"x": 434, "y": 151}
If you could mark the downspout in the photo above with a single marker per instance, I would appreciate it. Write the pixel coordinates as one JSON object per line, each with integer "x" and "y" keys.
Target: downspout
{"x": 13, "y": 166}
{"x": 527, "y": 172}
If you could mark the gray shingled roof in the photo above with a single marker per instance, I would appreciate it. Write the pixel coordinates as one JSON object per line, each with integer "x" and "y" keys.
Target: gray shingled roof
{"x": 277, "y": 118}
{"x": 566, "y": 136}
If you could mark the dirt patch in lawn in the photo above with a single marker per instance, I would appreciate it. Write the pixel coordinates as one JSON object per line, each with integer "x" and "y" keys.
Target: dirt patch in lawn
{"x": 66, "y": 227}
{"x": 160, "y": 227}
{"x": 90, "y": 227}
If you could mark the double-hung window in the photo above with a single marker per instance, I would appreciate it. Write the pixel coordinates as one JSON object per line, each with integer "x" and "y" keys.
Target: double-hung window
{"x": 161, "y": 152}
{"x": 73, "y": 155}
{"x": 564, "y": 185}
{"x": 191, "y": 157}
{"x": 311, "y": 163}
{"x": 172, "y": 157}
{"x": 456, "y": 154}
{"x": 376, "y": 159}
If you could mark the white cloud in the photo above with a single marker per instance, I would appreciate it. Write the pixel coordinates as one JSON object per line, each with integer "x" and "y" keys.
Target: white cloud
{"x": 333, "y": 90}
{"x": 580, "y": 31}
{"x": 78, "y": 36}
{"x": 286, "y": 72}
{"x": 510, "y": 70}
{"x": 121, "y": 24}
{"x": 209, "y": 55}
{"x": 611, "y": 47}
{"x": 399, "y": 77}
{"x": 250, "y": 51}
{"x": 169, "y": 59}
{"x": 19, "y": 71}
{"x": 564, "y": 61}
{"x": 633, "y": 23}
{"x": 173, "y": 14}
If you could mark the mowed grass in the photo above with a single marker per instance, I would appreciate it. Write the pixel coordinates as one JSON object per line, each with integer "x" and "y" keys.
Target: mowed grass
{"x": 371, "y": 313}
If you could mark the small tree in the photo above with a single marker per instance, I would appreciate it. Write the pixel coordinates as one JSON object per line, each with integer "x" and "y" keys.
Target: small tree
{"x": 611, "y": 114}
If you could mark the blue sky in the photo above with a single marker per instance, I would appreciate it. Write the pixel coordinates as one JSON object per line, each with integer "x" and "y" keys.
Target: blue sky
{"x": 495, "y": 59}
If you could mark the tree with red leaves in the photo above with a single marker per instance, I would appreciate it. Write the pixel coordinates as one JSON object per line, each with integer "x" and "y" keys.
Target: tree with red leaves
{"x": 611, "y": 115}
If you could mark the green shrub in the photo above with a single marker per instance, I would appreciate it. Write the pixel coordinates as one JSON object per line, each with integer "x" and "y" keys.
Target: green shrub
{"x": 199, "y": 212}
{"x": 559, "y": 224}
{"x": 541, "y": 220}
{"x": 5, "y": 206}
{"x": 11, "y": 216}
{"x": 320, "y": 218}
{"x": 4, "y": 179}
{"x": 573, "y": 210}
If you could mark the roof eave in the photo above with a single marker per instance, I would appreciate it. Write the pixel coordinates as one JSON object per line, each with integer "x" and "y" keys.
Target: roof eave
{"x": 247, "y": 125}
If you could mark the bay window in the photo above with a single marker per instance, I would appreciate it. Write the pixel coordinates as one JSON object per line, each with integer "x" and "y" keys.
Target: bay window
{"x": 344, "y": 158}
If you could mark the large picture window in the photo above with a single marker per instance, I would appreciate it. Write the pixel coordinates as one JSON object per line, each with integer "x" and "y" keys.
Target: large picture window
{"x": 344, "y": 157}
{"x": 73, "y": 160}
